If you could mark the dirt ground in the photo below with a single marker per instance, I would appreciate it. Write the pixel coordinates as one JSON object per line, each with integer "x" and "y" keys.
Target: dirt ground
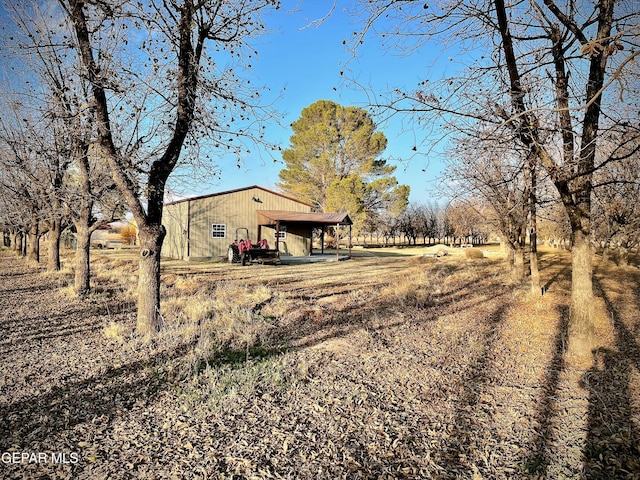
{"x": 375, "y": 368}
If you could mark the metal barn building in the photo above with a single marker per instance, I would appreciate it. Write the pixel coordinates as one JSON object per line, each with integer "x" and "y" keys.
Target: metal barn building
{"x": 204, "y": 227}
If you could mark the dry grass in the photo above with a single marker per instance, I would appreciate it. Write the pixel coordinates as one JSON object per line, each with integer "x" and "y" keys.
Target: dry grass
{"x": 218, "y": 317}
{"x": 380, "y": 367}
{"x": 114, "y": 331}
{"x": 418, "y": 289}
{"x": 68, "y": 292}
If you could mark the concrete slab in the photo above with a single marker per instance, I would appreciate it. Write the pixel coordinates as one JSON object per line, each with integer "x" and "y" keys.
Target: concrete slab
{"x": 315, "y": 258}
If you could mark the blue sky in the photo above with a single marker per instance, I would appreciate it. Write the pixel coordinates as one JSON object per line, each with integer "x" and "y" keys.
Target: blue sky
{"x": 306, "y": 61}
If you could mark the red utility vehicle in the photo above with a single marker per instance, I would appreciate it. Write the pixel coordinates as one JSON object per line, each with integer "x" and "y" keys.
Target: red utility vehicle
{"x": 243, "y": 251}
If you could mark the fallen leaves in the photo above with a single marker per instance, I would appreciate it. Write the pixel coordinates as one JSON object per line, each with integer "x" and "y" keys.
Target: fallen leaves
{"x": 471, "y": 384}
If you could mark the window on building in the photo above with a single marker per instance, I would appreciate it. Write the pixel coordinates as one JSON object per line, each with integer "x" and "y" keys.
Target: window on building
{"x": 219, "y": 230}
{"x": 282, "y": 234}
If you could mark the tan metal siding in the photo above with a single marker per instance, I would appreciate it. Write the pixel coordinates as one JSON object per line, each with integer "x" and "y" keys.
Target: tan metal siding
{"x": 296, "y": 242}
{"x": 299, "y": 240}
{"x": 174, "y": 219}
{"x": 236, "y": 210}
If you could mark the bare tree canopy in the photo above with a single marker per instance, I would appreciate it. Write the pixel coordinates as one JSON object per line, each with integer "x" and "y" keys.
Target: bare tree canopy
{"x": 547, "y": 77}
{"x": 163, "y": 79}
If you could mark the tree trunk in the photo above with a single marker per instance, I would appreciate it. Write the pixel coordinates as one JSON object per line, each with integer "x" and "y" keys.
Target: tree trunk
{"x": 518, "y": 263}
{"x": 83, "y": 223}
{"x": 533, "y": 233}
{"x": 511, "y": 257}
{"x": 82, "y": 279}
{"x": 33, "y": 248}
{"x": 33, "y": 244}
{"x": 580, "y": 322}
{"x": 151, "y": 238}
{"x": 53, "y": 256}
{"x": 536, "y": 288}
{"x": 17, "y": 242}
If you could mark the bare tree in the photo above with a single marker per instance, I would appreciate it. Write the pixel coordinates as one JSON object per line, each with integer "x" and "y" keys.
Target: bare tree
{"x": 467, "y": 222}
{"x": 390, "y": 228}
{"x": 485, "y": 169}
{"x": 426, "y": 220}
{"x": 11, "y": 212}
{"x": 175, "y": 95}
{"x": 431, "y": 217}
{"x": 446, "y": 227}
{"x": 22, "y": 208}
{"x": 553, "y": 224}
{"x": 36, "y": 39}
{"x": 543, "y": 74}
{"x": 616, "y": 214}
{"x": 409, "y": 224}
{"x": 35, "y": 167}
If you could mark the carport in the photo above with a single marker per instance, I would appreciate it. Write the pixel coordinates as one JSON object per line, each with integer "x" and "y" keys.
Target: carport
{"x": 281, "y": 218}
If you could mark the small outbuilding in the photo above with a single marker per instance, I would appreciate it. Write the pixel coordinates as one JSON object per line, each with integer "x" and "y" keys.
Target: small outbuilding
{"x": 203, "y": 227}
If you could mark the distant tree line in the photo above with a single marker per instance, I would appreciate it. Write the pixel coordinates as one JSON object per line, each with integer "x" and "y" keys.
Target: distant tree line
{"x": 426, "y": 224}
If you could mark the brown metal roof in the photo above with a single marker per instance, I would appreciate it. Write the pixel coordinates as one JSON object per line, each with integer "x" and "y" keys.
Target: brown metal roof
{"x": 285, "y": 216}
{"x": 190, "y": 199}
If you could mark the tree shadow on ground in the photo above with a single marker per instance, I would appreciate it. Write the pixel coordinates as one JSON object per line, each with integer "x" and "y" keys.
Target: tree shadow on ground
{"x": 537, "y": 461}
{"x": 71, "y": 407}
{"x": 317, "y": 326}
{"x": 550, "y": 262}
{"x": 49, "y": 412}
{"x": 459, "y": 449}
{"x": 36, "y": 418}
{"x": 611, "y": 449}
{"x": 560, "y": 273}
{"x": 26, "y": 329}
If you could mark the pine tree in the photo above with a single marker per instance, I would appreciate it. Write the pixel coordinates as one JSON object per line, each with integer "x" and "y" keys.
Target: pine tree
{"x": 334, "y": 164}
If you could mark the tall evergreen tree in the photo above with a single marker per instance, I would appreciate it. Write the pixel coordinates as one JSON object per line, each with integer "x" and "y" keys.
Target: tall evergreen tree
{"x": 334, "y": 164}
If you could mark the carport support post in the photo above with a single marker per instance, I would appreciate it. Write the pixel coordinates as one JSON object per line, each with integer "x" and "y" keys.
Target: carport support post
{"x": 350, "y": 240}
{"x": 188, "y": 228}
{"x": 322, "y": 240}
{"x": 277, "y": 235}
{"x": 337, "y": 242}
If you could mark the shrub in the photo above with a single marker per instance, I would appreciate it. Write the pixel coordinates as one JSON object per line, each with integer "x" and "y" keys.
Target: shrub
{"x": 473, "y": 253}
